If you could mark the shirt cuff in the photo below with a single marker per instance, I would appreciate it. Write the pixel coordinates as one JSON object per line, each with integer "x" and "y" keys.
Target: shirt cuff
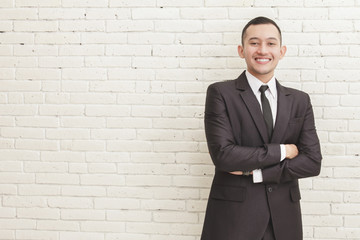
{"x": 283, "y": 152}
{"x": 257, "y": 176}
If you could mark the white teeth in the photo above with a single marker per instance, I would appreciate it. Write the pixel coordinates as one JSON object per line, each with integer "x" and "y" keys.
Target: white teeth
{"x": 262, "y": 60}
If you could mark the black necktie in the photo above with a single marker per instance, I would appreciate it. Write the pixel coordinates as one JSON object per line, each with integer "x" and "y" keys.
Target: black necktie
{"x": 266, "y": 110}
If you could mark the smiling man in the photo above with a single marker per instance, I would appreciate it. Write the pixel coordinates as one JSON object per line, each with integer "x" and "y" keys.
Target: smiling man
{"x": 262, "y": 138}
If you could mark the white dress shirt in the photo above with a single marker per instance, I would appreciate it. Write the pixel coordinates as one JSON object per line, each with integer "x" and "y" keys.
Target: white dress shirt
{"x": 271, "y": 95}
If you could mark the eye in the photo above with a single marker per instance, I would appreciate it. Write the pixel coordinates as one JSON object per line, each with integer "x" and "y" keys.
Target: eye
{"x": 272, "y": 44}
{"x": 254, "y": 43}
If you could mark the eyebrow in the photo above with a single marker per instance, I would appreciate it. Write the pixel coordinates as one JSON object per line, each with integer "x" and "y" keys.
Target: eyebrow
{"x": 270, "y": 38}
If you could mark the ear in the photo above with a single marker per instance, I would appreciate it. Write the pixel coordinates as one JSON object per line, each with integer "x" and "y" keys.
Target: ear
{"x": 241, "y": 51}
{"x": 282, "y": 51}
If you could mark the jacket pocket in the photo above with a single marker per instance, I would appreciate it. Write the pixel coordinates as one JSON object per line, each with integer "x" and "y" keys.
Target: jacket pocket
{"x": 296, "y": 120}
{"x": 295, "y": 194}
{"x": 228, "y": 193}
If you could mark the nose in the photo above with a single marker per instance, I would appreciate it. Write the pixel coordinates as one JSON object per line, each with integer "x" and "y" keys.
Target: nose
{"x": 262, "y": 49}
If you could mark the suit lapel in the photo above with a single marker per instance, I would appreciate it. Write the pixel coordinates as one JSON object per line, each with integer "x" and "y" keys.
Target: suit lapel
{"x": 283, "y": 113}
{"x": 252, "y": 105}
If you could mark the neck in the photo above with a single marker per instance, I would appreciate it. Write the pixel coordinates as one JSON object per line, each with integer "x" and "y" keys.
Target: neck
{"x": 265, "y": 78}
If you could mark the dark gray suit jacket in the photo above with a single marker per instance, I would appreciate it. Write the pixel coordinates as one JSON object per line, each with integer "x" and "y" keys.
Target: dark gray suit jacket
{"x": 239, "y": 209}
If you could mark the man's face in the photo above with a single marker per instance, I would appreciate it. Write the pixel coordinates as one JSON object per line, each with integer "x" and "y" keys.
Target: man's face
{"x": 262, "y": 50}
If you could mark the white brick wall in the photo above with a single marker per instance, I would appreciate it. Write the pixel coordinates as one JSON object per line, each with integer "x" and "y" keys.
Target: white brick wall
{"x": 102, "y": 102}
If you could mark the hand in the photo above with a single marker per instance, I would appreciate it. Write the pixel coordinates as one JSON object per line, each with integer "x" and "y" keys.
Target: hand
{"x": 291, "y": 151}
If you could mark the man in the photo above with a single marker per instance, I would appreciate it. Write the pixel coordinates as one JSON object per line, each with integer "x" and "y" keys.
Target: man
{"x": 261, "y": 137}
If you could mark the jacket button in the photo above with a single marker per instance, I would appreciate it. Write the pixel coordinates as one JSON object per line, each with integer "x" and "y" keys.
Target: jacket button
{"x": 270, "y": 189}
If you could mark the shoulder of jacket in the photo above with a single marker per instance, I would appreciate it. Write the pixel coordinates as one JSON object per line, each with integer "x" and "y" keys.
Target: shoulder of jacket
{"x": 223, "y": 84}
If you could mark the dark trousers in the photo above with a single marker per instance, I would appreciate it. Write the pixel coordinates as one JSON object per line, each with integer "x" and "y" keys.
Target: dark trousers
{"x": 269, "y": 232}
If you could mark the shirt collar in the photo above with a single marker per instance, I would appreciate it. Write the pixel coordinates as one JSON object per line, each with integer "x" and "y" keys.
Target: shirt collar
{"x": 255, "y": 84}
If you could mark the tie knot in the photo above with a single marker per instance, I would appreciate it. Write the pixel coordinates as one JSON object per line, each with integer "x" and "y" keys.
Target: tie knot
{"x": 263, "y": 88}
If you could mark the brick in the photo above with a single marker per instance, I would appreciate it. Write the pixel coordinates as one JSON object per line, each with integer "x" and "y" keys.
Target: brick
{"x": 352, "y": 222}
{"x": 38, "y": 213}
{"x": 113, "y": 203}
{"x": 150, "y": 38}
{"x": 204, "y": 13}
{"x": 323, "y": 221}
{"x": 108, "y": 61}
{"x": 175, "y": 147}
{"x": 82, "y": 214}
{"x": 24, "y": 202}
{"x": 8, "y": 189}
{"x": 62, "y": 110}
{"x": 19, "y": 38}
{"x": 18, "y": 13}
{"x": 178, "y": 26}
{"x": 82, "y": 50}
{"x": 339, "y": 38}
{"x": 6, "y": 26}
{"x": 174, "y": 205}
{"x": 92, "y": 98}
{"x": 82, "y": 26}
{"x": 348, "y": 209}
{"x": 185, "y": 3}
{"x": 7, "y": 212}
{"x": 17, "y": 62}
{"x": 44, "y": 167}
{"x": 81, "y": 236}
{"x": 7, "y": 234}
{"x": 82, "y": 122}
{"x": 34, "y": 234}
{"x": 212, "y": 63}
{"x": 328, "y": 3}
{"x": 176, "y": 217}
{"x": 102, "y": 168}
{"x": 315, "y": 208}
{"x": 35, "y": 26}
{"x": 102, "y": 180}
{"x": 131, "y": 3}
{"x": 113, "y": 111}
{"x": 7, "y": 73}
{"x": 249, "y": 13}
{"x": 303, "y": 13}
{"x": 70, "y": 202}
{"x": 129, "y": 26}
{"x": 128, "y": 50}
{"x": 83, "y": 145}
{"x": 85, "y": 3}
{"x": 57, "y": 38}
{"x": 58, "y": 225}
{"x": 128, "y": 236}
{"x": 7, "y": 3}
{"x": 148, "y": 180}
{"x": 38, "y": 190}
{"x": 128, "y": 216}
{"x": 285, "y": 3}
{"x": 38, "y": 3}
{"x": 155, "y": 13}
{"x": 90, "y": 226}
{"x": 187, "y": 181}
{"x": 84, "y": 73}
{"x": 108, "y": 13}
{"x": 17, "y": 224}
{"x": 36, "y": 74}
{"x": 33, "y": 144}
{"x": 199, "y": 38}
{"x": 62, "y": 13}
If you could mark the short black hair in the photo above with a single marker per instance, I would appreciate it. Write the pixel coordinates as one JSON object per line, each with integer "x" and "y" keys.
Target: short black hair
{"x": 258, "y": 21}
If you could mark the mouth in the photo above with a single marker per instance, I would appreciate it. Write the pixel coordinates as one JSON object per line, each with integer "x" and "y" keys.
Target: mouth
{"x": 262, "y": 60}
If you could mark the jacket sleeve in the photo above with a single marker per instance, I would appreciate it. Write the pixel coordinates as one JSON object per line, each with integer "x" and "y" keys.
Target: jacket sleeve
{"x": 225, "y": 153}
{"x": 307, "y": 163}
